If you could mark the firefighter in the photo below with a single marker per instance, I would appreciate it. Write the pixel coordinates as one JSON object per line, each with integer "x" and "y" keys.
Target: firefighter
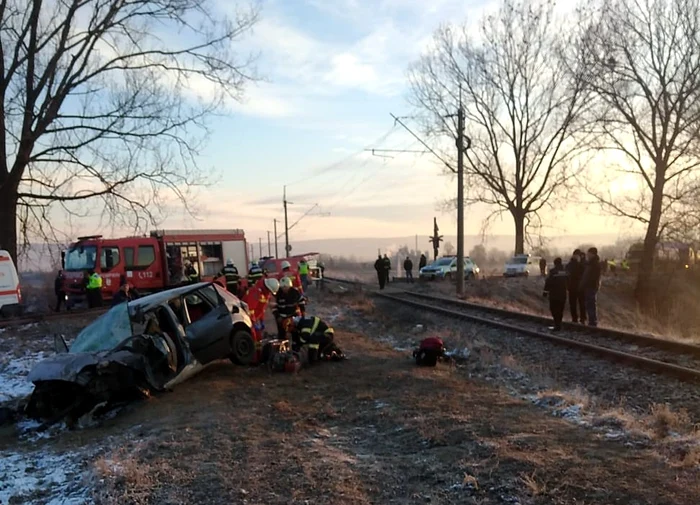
{"x": 94, "y": 289}
{"x": 232, "y": 278}
{"x": 191, "y": 273}
{"x": 313, "y": 334}
{"x": 287, "y": 272}
{"x": 290, "y": 303}
{"x": 255, "y": 273}
{"x": 257, "y": 299}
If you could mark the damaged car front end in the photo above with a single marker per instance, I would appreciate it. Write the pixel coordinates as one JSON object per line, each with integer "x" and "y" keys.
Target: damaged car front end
{"x": 134, "y": 350}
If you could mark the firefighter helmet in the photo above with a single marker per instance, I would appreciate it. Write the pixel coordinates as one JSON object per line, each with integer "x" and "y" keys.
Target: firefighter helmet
{"x": 229, "y": 262}
{"x": 286, "y": 265}
{"x": 285, "y": 282}
{"x": 273, "y": 285}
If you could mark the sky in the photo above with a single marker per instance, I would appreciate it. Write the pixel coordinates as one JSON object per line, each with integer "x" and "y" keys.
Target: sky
{"x": 333, "y": 71}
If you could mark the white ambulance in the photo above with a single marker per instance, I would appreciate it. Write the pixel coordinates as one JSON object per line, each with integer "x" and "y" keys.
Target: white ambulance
{"x": 10, "y": 293}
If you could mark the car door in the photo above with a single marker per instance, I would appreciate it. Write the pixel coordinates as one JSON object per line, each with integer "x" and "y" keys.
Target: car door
{"x": 210, "y": 324}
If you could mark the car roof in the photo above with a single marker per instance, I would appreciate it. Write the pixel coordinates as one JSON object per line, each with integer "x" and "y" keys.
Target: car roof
{"x": 150, "y": 301}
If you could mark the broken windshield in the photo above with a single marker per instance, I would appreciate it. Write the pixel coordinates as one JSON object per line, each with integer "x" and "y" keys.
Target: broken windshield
{"x": 105, "y": 332}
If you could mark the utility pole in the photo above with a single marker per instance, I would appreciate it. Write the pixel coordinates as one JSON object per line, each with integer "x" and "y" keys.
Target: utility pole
{"x": 460, "y": 197}
{"x": 269, "y": 246}
{"x": 277, "y": 254}
{"x": 286, "y": 224}
{"x": 260, "y": 246}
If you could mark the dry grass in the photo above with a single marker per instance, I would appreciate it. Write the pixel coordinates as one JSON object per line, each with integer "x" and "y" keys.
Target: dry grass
{"x": 283, "y": 407}
{"x": 663, "y": 421}
{"x": 127, "y": 479}
{"x": 533, "y": 485}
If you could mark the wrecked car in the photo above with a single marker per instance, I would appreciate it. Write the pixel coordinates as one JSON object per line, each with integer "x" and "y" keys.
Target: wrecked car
{"x": 141, "y": 347}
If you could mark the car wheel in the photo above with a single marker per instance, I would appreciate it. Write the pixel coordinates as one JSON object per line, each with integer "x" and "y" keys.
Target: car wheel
{"x": 470, "y": 276}
{"x": 242, "y": 348}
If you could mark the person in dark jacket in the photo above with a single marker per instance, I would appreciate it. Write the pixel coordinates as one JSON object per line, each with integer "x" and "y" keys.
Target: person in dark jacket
{"x": 590, "y": 284}
{"x": 59, "y": 290}
{"x": 555, "y": 288}
{"x": 123, "y": 295}
{"x": 574, "y": 271}
{"x": 422, "y": 262}
{"x": 379, "y": 267}
{"x": 408, "y": 267}
{"x": 543, "y": 267}
{"x": 387, "y": 268}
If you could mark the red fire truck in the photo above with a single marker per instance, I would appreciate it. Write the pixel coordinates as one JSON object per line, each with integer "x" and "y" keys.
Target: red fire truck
{"x": 150, "y": 263}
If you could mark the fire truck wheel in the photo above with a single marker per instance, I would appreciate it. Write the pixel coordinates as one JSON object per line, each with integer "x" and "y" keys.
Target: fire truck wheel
{"x": 242, "y": 347}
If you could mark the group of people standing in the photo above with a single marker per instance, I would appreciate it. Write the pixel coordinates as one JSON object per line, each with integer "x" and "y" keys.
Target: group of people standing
{"x": 580, "y": 280}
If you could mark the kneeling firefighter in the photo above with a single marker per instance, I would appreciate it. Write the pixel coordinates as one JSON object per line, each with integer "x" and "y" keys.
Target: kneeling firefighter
{"x": 316, "y": 336}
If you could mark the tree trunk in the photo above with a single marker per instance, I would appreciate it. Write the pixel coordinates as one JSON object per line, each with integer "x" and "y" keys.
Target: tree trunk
{"x": 8, "y": 219}
{"x": 646, "y": 266}
{"x": 519, "y": 220}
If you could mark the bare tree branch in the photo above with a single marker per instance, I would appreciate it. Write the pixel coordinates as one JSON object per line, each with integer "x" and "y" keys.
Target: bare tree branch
{"x": 106, "y": 101}
{"x": 523, "y": 109}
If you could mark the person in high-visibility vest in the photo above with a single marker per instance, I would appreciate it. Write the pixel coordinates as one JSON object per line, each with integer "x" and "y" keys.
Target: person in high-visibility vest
{"x": 93, "y": 290}
{"x": 257, "y": 299}
{"x": 191, "y": 273}
{"x": 304, "y": 274}
{"x": 314, "y": 334}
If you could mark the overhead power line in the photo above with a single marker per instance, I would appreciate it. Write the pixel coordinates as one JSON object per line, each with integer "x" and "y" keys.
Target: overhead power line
{"x": 430, "y": 149}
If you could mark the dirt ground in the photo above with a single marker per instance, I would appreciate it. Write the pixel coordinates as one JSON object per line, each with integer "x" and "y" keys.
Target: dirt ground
{"x": 374, "y": 429}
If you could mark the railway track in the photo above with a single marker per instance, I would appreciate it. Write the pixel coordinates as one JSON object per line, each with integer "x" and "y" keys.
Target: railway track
{"x": 662, "y": 356}
{"x": 48, "y": 316}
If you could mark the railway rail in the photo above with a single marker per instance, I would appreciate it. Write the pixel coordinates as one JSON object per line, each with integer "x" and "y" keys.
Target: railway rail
{"x": 48, "y": 316}
{"x": 662, "y": 356}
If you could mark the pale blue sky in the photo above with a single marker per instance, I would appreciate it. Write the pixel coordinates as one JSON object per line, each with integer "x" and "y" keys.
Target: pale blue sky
{"x": 333, "y": 71}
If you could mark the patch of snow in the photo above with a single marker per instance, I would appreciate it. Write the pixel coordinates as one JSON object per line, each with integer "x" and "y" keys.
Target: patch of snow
{"x": 13, "y": 375}
{"x": 40, "y": 477}
{"x": 459, "y": 353}
{"x": 380, "y": 405}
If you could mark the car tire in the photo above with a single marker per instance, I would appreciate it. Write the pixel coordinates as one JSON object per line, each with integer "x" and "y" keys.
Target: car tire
{"x": 242, "y": 348}
{"x": 470, "y": 276}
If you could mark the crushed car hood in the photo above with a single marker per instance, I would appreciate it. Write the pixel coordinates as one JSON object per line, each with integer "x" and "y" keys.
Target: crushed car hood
{"x": 67, "y": 366}
{"x": 64, "y": 367}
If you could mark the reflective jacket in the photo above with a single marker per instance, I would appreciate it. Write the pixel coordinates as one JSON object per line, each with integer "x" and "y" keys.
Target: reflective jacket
{"x": 309, "y": 330}
{"x": 303, "y": 268}
{"x": 289, "y": 303}
{"x": 254, "y": 274}
{"x": 94, "y": 281}
{"x": 231, "y": 274}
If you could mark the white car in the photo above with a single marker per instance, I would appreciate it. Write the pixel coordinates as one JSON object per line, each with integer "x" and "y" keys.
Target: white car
{"x": 446, "y": 268}
{"x": 520, "y": 265}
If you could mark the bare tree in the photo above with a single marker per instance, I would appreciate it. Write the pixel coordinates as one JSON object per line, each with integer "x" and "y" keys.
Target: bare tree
{"x": 522, "y": 107}
{"x": 100, "y": 101}
{"x": 643, "y": 58}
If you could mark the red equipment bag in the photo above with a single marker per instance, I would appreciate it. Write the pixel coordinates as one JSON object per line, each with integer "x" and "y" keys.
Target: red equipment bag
{"x": 429, "y": 351}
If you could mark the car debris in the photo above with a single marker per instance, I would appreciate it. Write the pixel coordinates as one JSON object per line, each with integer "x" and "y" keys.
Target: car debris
{"x": 139, "y": 348}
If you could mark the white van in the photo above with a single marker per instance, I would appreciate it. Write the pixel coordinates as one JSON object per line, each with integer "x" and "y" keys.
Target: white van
{"x": 521, "y": 265}
{"x": 10, "y": 293}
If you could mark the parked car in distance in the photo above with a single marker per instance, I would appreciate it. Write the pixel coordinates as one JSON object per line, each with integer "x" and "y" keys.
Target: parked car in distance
{"x": 521, "y": 265}
{"x": 10, "y": 292}
{"x": 445, "y": 268}
{"x": 143, "y": 346}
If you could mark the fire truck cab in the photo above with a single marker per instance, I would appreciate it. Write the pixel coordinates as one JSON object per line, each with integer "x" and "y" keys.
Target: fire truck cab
{"x": 150, "y": 263}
